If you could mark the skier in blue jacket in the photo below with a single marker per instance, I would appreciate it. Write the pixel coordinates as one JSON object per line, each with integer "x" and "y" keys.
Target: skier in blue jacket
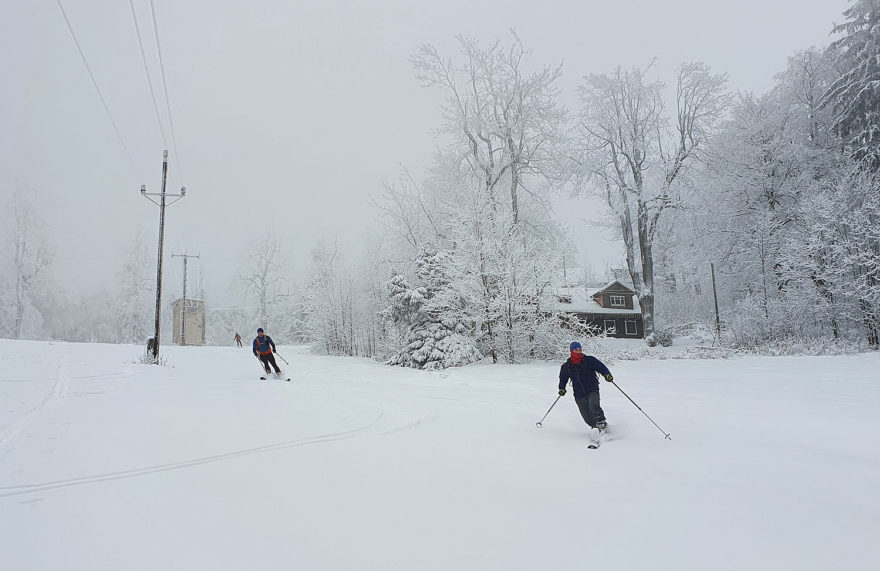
{"x": 582, "y": 370}
{"x": 263, "y": 349}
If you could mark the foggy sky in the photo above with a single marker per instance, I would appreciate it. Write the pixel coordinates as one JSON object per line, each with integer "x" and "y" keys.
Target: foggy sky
{"x": 289, "y": 115}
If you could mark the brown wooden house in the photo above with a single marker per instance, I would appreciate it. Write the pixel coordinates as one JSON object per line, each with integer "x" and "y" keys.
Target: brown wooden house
{"x": 612, "y": 309}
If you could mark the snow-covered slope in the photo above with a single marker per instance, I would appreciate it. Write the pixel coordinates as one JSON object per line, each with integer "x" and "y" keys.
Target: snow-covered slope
{"x": 107, "y": 464}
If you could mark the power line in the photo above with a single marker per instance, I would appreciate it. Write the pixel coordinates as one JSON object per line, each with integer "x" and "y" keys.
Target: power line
{"x": 165, "y": 87}
{"x": 94, "y": 81}
{"x": 137, "y": 29}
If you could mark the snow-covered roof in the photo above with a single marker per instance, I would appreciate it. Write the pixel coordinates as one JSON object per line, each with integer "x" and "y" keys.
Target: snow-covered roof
{"x": 611, "y": 283}
{"x": 582, "y": 301}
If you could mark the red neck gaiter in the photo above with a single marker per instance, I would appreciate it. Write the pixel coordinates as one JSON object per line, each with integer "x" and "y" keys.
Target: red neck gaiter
{"x": 576, "y": 357}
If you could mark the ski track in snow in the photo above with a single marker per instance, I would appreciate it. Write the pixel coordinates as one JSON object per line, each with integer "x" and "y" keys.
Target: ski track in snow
{"x": 53, "y": 397}
{"x": 199, "y": 465}
{"x": 7, "y": 491}
{"x": 433, "y": 419}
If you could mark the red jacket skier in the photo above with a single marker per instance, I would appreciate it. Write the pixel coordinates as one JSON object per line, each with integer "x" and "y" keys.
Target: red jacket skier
{"x": 263, "y": 349}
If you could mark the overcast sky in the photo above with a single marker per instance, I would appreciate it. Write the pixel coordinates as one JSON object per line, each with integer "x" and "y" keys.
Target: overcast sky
{"x": 289, "y": 114}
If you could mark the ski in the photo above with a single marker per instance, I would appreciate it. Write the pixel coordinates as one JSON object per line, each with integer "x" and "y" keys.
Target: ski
{"x": 279, "y": 378}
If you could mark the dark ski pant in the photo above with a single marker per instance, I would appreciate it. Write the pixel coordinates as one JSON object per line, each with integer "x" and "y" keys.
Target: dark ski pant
{"x": 269, "y": 358}
{"x": 590, "y": 409}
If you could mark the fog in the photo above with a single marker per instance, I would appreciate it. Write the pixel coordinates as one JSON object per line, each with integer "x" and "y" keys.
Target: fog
{"x": 288, "y": 116}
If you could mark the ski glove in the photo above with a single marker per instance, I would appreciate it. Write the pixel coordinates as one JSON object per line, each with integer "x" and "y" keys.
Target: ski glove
{"x": 562, "y": 392}
{"x": 609, "y": 378}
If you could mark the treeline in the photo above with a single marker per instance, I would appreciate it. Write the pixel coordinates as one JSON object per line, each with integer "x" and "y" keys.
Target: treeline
{"x": 779, "y": 191}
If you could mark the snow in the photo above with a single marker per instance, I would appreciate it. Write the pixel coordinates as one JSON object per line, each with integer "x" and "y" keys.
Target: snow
{"x": 109, "y": 464}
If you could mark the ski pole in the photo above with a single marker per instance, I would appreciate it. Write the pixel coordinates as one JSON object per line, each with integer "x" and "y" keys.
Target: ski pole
{"x": 262, "y": 366}
{"x": 668, "y": 437}
{"x": 538, "y": 424}
{"x": 282, "y": 358}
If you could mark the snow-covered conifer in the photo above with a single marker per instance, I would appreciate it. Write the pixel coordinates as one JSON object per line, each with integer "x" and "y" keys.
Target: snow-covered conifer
{"x": 855, "y": 95}
{"x": 438, "y": 334}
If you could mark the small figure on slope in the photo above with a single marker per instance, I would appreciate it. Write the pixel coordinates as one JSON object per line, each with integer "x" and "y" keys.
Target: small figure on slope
{"x": 582, "y": 370}
{"x": 238, "y": 338}
{"x": 263, "y": 349}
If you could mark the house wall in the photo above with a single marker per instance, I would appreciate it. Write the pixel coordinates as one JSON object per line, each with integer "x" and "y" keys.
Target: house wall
{"x": 598, "y": 320}
{"x": 604, "y": 298}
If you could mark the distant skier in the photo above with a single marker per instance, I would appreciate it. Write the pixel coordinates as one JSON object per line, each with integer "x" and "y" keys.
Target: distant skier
{"x": 263, "y": 349}
{"x": 238, "y": 338}
{"x": 582, "y": 370}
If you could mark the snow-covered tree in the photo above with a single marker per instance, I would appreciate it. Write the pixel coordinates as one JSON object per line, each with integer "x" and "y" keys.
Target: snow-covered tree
{"x": 502, "y": 274}
{"x": 801, "y": 89}
{"x": 506, "y": 129}
{"x": 341, "y": 304}
{"x": 265, "y": 281}
{"x": 855, "y": 95}
{"x": 844, "y": 222}
{"x": 439, "y": 332}
{"x": 637, "y": 161}
{"x": 222, "y": 323}
{"x": 409, "y": 214}
{"x": 30, "y": 260}
{"x": 136, "y": 294}
{"x": 505, "y": 123}
{"x": 87, "y": 318}
{"x": 743, "y": 210}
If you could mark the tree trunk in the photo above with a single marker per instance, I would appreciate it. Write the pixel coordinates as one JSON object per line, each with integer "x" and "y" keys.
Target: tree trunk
{"x": 765, "y": 302}
{"x": 872, "y": 327}
{"x": 626, "y": 232}
{"x": 646, "y": 295}
{"x": 486, "y": 327}
{"x": 514, "y": 183}
{"x": 19, "y": 306}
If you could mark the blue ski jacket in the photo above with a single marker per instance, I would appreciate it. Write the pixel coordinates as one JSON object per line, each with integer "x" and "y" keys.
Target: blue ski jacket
{"x": 265, "y": 346}
{"x": 583, "y": 375}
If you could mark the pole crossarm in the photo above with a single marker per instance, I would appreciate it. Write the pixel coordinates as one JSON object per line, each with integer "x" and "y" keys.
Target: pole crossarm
{"x": 178, "y": 196}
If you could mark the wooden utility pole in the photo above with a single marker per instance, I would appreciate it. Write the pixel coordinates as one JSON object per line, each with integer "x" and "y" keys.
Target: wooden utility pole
{"x": 185, "y": 256}
{"x": 161, "y": 204}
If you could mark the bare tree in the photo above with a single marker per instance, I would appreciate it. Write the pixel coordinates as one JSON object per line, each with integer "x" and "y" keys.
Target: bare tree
{"x": 504, "y": 122}
{"x": 264, "y": 278}
{"x": 408, "y": 213}
{"x": 639, "y": 155}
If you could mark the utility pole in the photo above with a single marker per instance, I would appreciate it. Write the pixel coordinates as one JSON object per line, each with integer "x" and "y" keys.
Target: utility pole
{"x": 161, "y": 204}
{"x": 185, "y": 256}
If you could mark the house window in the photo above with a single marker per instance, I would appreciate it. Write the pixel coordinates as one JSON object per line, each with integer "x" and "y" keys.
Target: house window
{"x": 630, "y": 327}
{"x": 610, "y": 327}
{"x": 617, "y": 301}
